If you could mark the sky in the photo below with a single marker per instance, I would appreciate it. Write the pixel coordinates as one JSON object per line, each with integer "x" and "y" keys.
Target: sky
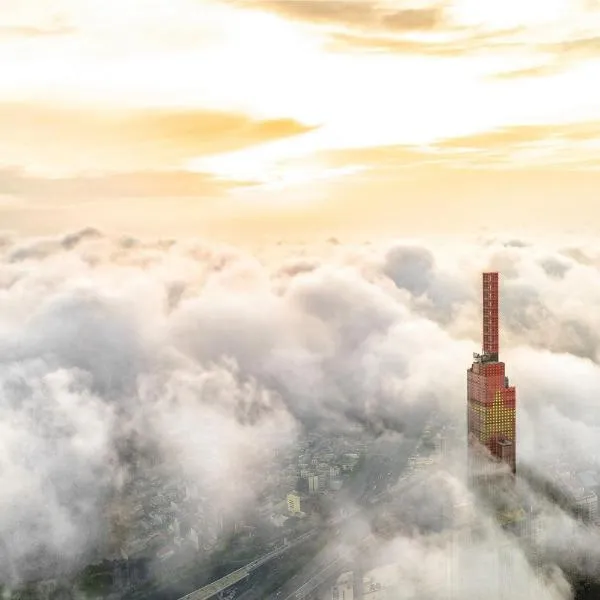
{"x": 254, "y": 119}
{"x": 219, "y": 358}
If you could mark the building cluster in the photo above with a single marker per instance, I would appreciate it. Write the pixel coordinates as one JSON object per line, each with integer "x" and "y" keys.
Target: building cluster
{"x": 381, "y": 583}
{"x": 578, "y": 491}
{"x": 322, "y": 467}
{"x": 159, "y": 523}
{"x": 159, "y": 516}
{"x": 351, "y": 585}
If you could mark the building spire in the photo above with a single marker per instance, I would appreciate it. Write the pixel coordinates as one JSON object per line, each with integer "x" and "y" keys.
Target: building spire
{"x": 490, "y": 316}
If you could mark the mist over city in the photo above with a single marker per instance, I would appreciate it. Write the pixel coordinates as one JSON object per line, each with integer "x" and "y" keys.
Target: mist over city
{"x": 173, "y": 410}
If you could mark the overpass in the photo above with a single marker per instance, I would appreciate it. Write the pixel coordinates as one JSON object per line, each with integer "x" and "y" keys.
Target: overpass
{"x": 220, "y": 585}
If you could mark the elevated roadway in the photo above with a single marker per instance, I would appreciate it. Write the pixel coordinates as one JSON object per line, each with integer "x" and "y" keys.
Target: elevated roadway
{"x": 214, "y": 588}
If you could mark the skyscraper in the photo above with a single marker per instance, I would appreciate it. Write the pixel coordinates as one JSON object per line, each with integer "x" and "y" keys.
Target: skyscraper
{"x": 491, "y": 412}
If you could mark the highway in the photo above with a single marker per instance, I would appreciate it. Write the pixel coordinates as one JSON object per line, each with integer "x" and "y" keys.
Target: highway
{"x": 323, "y": 574}
{"x": 212, "y": 589}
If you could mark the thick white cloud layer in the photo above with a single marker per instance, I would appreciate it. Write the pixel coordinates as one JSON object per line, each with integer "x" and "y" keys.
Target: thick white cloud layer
{"x": 218, "y": 358}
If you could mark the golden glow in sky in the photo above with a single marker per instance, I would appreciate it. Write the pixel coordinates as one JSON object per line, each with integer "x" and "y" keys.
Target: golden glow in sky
{"x": 299, "y": 113}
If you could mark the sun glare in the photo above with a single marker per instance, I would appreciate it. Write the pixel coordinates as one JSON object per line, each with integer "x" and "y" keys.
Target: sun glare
{"x": 276, "y": 165}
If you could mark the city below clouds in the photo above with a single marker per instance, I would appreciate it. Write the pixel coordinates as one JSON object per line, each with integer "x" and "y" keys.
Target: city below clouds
{"x": 219, "y": 359}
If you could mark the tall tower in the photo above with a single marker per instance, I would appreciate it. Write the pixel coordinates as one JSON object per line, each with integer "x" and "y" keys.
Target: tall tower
{"x": 491, "y": 412}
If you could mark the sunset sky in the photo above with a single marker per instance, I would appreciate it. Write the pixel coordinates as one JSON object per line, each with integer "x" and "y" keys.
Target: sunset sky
{"x": 252, "y": 118}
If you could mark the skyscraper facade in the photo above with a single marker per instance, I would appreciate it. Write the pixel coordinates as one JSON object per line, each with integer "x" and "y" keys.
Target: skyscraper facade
{"x": 491, "y": 415}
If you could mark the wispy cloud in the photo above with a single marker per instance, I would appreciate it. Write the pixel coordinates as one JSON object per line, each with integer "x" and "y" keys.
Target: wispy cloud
{"x": 111, "y": 186}
{"x": 207, "y": 132}
{"x": 361, "y": 14}
{"x": 376, "y": 27}
{"x": 540, "y": 70}
{"x": 378, "y": 157}
{"x": 84, "y": 139}
{"x": 560, "y": 134}
{"x": 552, "y": 58}
{"x": 575, "y": 47}
{"x": 455, "y": 43}
{"x": 484, "y": 149}
{"x": 30, "y": 31}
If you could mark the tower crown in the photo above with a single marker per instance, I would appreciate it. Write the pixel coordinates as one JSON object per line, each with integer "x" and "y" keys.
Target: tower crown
{"x": 490, "y": 317}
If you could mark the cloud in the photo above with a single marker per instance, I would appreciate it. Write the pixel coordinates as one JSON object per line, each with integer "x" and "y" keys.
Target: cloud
{"x": 25, "y": 31}
{"x": 410, "y": 268}
{"x": 503, "y": 137}
{"x": 522, "y": 134}
{"x": 540, "y": 70}
{"x": 359, "y": 14}
{"x": 563, "y": 146}
{"x": 387, "y": 157}
{"x": 554, "y": 58}
{"x": 215, "y": 361}
{"x": 209, "y": 132}
{"x": 75, "y": 139}
{"x": 368, "y": 26}
{"x": 30, "y": 21}
{"x": 83, "y": 189}
{"x": 576, "y": 47}
{"x": 501, "y": 148}
{"x": 455, "y": 42}
{"x": 371, "y": 27}
{"x": 64, "y": 432}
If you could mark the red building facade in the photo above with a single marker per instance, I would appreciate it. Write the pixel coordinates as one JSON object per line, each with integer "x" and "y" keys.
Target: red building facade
{"x": 491, "y": 409}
